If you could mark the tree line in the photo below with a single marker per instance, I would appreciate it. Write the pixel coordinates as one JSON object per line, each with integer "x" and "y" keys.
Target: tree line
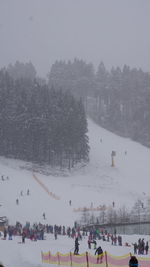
{"x": 139, "y": 212}
{"x": 38, "y": 123}
{"x": 117, "y": 99}
{"x": 46, "y": 122}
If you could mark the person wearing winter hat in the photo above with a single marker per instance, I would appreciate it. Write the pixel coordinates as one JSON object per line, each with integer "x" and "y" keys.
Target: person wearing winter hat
{"x": 133, "y": 262}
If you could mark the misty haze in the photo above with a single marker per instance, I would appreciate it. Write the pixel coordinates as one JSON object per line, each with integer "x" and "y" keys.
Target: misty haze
{"x": 74, "y": 133}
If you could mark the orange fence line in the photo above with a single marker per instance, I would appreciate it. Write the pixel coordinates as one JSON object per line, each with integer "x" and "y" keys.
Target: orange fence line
{"x": 46, "y": 189}
{"x": 100, "y": 208}
{"x": 88, "y": 260}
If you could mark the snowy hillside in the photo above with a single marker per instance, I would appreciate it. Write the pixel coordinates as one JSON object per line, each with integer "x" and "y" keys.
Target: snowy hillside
{"x": 98, "y": 183}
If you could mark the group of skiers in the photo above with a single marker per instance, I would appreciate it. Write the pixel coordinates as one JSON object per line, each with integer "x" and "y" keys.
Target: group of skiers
{"x": 8, "y": 231}
{"x": 4, "y": 178}
{"x": 21, "y": 194}
{"x": 141, "y": 247}
{"x": 133, "y": 262}
{"x": 102, "y": 234}
{"x": 115, "y": 239}
{"x": 28, "y": 192}
{"x": 36, "y": 231}
{"x": 98, "y": 251}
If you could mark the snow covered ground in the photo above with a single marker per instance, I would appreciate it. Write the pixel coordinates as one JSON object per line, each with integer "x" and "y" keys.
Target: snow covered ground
{"x": 97, "y": 183}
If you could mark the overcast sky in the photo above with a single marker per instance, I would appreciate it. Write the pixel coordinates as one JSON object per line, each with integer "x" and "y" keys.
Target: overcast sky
{"x": 116, "y": 32}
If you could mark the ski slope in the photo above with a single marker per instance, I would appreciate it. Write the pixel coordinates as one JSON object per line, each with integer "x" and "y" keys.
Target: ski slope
{"x": 97, "y": 183}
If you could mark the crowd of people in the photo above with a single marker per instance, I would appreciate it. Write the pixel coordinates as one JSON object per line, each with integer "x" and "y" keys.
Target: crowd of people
{"x": 141, "y": 247}
{"x": 133, "y": 262}
{"x": 36, "y": 231}
{"x": 100, "y": 234}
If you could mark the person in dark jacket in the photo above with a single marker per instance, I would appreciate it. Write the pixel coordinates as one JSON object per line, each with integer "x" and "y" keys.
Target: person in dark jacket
{"x": 133, "y": 262}
{"x": 76, "y": 250}
{"x": 5, "y": 233}
{"x": 99, "y": 253}
{"x": 135, "y": 245}
{"x": 55, "y": 234}
{"x": 146, "y": 248}
{"x": 23, "y": 237}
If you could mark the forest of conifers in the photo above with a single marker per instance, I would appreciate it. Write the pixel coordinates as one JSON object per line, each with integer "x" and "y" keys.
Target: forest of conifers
{"x": 41, "y": 125}
{"x": 117, "y": 99}
{"x": 45, "y": 121}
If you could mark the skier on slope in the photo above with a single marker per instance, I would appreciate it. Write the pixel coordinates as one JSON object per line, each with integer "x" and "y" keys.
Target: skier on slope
{"x": 23, "y": 236}
{"x": 99, "y": 253}
{"x": 146, "y": 248}
{"x": 28, "y": 192}
{"x": 76, "y": 250}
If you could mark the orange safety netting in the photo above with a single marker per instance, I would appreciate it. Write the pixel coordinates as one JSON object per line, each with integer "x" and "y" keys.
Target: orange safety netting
{"x": 45, "y": 188}
{"x": 89, "y": 260}
{"x": 116, "y": 261}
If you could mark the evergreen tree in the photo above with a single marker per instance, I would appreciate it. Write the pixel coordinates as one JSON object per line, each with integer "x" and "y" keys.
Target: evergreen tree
{"x": 22, "y": 70}
{"x": 41, "y": 125}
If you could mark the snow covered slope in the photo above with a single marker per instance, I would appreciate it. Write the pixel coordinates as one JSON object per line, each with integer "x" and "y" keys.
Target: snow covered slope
{"x": 98, "y": 183}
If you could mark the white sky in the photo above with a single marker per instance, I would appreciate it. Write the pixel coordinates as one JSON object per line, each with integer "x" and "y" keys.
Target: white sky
{"x": 116, "y": 32}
